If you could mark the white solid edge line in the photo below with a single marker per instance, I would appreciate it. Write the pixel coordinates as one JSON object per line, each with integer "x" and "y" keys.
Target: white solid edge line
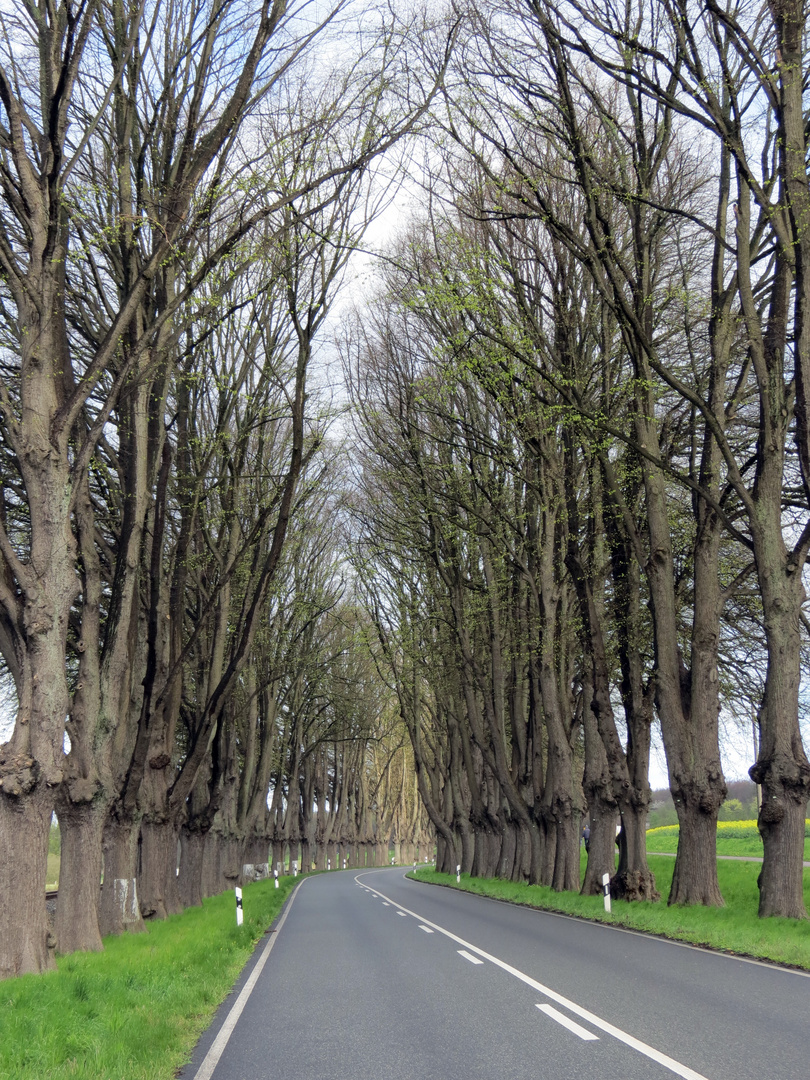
{"x": 651, "y": 936}
{"x": 629, "y": 1040}
{"x": 469, "y": 956}
{"x": 583, "y": 1033}
{"x": 215, "y": 1051}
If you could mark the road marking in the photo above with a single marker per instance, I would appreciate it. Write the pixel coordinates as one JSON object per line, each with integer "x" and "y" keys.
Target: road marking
{"x": 649, "y": 936}
{"x": 425, "y": 928}
{"x": 469, "y": 956}
{"x": 583, "y": 1033}
{"x": 386, "y": 905}
{"x": 584, "y": 1014}
{"x": 402, "y": 913}
{"x": 215, "y": 1051}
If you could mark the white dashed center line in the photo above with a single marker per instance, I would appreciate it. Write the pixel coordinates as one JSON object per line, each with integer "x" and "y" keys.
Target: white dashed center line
{"x": 469, "y": 956}
{"x": 677, "y": 1067}
{"x": 583, "y": 1033}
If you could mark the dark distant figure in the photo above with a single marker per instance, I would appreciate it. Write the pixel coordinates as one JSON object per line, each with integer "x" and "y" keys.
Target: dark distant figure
{"x": 586, "y": 836}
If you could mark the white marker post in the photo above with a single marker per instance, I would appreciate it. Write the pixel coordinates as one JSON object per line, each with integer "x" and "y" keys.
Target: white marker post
{"x": 275, "y": 875}
{"x": 328, "y": 864}
{"x": 239, "y": 915}
{"x": 295, "y": 868}
{"x": 458, "y": 873}
{"x": 606, "y": 890}
{"x": 414, "y": 866}
{"x": 344, "y": 862}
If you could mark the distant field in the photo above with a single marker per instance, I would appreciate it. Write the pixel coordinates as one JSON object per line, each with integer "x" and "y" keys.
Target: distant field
{"x": 52, "y": 878}
{"x": 739, "y": 838}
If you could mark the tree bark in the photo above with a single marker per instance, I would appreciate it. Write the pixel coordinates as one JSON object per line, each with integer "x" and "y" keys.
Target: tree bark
{"x": 119, "y": 909}
{"x": 76, "y": 925}
{"x": 631, "y": 882}
{"x": 782, "y": 767}
{"x": 212, "y": 882}
{"x": 157, "y": 879}
{"x": 306, "y": 856}
{"x": 506, "y": 858}
{"x": 696, "y": 861}
{"x": 190, "y": 878}
{"x": 26, "y": 944}
{"x": 602, "y": 816}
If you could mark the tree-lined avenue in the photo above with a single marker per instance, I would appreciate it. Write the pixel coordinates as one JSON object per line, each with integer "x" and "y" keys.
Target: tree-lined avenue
{"x": 374, "y": 975}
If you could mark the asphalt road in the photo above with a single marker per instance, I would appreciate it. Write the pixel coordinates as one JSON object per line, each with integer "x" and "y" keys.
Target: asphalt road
{"x": 371, "y": 976}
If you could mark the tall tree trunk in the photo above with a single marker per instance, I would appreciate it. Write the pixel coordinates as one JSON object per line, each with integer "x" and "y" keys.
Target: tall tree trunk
{"x": 631, "y": 881}
{"x": 306, "y": 856}
{"x": 31, "y": 762}
{"x": 157, "y": 880}
{"x": 211, "y": 882}
{"x": 602, "y": 807}
{"x": 782, "y": 767}
{"x": 506, "y": 857}
{"x": 615, "y": 780}
{"x": 119, "y": 909}
{"x": 294, "y": 854}
{"x": 601, "y": 845}
{"x": 192, "y": 854}
{"x": 76, "y": 925}
{"x": 25, "y": 823}
{"x": 696, "y": 862}
{"x": 688, "y": 702}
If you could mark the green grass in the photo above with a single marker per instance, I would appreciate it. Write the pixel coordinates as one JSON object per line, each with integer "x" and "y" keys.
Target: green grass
{"x": 136, "y": 1010}
{"x": 735, "y": 928}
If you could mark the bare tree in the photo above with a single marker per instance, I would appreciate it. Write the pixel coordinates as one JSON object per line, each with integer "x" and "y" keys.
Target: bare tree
{"x": 123, "y": 140}
{"x": 55, "y": 410}
{"x": 717, "y": 66}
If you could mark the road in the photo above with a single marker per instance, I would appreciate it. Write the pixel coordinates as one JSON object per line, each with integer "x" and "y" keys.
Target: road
{"x": 371, "y": 976}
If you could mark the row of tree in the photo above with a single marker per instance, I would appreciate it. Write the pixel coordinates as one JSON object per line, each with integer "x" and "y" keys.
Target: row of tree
{"x": 582, "y": 472}
{"x": 182, "y": 184}
{"x": 586, "y": 474}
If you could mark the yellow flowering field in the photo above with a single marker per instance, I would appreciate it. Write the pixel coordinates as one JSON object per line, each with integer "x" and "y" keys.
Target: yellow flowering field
{"x": 740, "y": 838}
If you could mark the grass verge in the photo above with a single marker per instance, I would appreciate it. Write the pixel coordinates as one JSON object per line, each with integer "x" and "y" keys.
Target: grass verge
{"x": 136, "y": 1010}
{"x": 734, "y": 928}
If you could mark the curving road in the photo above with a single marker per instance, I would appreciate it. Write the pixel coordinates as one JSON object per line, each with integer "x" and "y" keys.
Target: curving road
{"x": 371, "y": 976}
